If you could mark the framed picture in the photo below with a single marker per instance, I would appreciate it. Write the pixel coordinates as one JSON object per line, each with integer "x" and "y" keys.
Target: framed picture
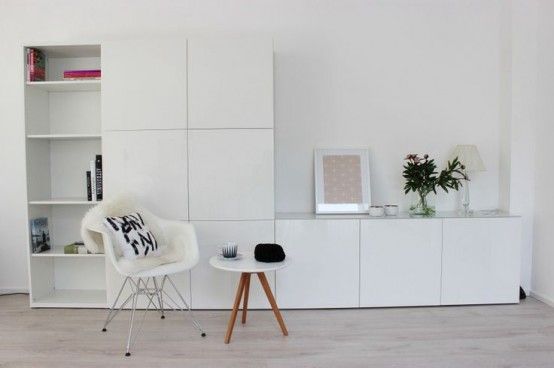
{"x": 40, "y": 235}
{"x": 342, "y": 181}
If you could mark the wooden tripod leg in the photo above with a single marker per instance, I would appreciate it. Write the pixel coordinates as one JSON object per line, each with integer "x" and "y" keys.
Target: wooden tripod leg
{"x": 269, "y": 294}
{"x": 245, "y": 299}
{"x": 233, "y": 318}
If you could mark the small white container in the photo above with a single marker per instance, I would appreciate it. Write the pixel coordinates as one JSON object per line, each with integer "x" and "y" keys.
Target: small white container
{"x": 391, "y": 210}
{"x": 376, "y": 211}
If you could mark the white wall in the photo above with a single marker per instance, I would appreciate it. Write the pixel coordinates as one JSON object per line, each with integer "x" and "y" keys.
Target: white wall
{"x": 395, "y": 76}
{"x": 543, "y": 255}
{"x": 521, "y": 135}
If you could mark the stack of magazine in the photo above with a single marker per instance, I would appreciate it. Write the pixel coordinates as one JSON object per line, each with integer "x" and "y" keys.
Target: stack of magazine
{"x": 94, "y": 180}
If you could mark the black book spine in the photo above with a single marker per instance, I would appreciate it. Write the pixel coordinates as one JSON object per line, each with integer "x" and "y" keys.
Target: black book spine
{"x": 98, "y": 167}
{"x": 89, "y": 187}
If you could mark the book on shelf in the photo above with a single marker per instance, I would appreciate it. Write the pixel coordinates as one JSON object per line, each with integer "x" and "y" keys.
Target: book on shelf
{"x": 82, "y": 74}
{"x": 40, "y": 235}
{"x": 99, "y": 178}
{"x": 89, "y": 186}
{"x": 36, "y": 65}
{"x": 93, "y": 180}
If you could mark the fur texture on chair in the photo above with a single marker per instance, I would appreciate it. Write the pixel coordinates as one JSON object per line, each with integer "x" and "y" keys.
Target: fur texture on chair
{"x": 92, "y": 228}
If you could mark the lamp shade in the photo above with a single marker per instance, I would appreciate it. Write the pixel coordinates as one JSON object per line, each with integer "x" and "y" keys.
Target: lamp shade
{"x": 468, "y": 155}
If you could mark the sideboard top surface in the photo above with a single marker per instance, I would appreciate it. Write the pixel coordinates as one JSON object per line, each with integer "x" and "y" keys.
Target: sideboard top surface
{"x": 400, "y": 216}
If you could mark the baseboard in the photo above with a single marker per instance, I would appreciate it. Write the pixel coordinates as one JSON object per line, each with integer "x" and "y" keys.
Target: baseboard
{"x": 542, "y": 298}
{"x": 11, "y": 291}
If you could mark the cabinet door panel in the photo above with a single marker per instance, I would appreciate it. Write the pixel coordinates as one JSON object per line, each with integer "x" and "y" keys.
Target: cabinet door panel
{"x": 144, "y": 84}
{"x": 152, "y": 165}
{"x": 215, "y": 289}
{"x": 400, "y": 262}
{"x": 324, "y": 269}
{"x": 481, "y": 261}
{"x": 231, "y": 174}
{"x": 231, "y": 83}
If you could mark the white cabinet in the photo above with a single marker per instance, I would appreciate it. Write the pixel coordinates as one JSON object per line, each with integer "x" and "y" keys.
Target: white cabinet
{"x": 481, "y": 260}
{"x": 230, "y": 82}
{"x": 215, "y": 289}
{"x": 151, "y": 165}
{"x": 400, "y": 262}
{"x": 324, "y": 269}
{"x": 144, "y": 84}
{"x": 231, "y": 174}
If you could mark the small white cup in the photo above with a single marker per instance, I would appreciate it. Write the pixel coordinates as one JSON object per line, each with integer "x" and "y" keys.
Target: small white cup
{"x": 376, "y": 211}
{"x": 229, "y": 250}
{"x": 391, "y": 210}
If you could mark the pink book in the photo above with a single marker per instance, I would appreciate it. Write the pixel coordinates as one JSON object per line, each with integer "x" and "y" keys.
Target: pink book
{"x": 93, "y": 73}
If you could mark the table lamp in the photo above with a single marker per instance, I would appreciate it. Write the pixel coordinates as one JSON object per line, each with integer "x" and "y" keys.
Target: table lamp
{"x": 468, "y": 155}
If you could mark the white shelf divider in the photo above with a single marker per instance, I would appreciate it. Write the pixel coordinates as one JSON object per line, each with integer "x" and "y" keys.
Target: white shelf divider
{"x": 65, "y": 136}
{"x": 62, "y": 201}
{"x": 57, "y": 251}
{"x": 68, "y": 85}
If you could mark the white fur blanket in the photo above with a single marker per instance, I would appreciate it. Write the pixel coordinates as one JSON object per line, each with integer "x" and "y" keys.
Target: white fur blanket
{"x": 92, "y": 228}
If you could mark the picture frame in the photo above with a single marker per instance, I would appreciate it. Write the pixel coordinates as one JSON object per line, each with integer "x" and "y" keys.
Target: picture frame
{"x": 342, "y": 181}
{"x": 40, "y": 235}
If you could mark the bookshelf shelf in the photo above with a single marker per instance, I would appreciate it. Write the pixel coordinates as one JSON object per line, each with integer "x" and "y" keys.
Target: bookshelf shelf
{"x": 65, "y": 136}
{"x": 62, "y": 201}
{"x": 67, "y": 86}
{"x": 71, "y": 298}
{"x": 57, "y": 251}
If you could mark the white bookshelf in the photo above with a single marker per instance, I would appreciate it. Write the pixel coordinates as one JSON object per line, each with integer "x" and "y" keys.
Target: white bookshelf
{"x": 63, "y": 131}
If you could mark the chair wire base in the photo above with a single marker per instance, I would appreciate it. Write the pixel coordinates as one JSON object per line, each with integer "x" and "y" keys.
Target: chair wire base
{"x": 155, "y": 296}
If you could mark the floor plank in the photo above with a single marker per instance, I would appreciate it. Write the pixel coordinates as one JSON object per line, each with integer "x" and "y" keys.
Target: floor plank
{"x": 477, "y": 336}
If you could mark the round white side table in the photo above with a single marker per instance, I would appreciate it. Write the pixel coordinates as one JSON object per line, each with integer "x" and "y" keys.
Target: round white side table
{"x": 247, "y": 266}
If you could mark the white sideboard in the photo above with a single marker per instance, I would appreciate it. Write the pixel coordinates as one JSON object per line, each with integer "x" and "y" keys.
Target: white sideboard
{"x": 342, "y": 261}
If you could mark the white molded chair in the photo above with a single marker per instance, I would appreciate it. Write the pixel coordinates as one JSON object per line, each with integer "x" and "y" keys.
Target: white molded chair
{"x": 145, "y": 276}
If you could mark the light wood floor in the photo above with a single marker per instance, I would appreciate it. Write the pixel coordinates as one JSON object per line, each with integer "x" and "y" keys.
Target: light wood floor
{"x": 482, "y": 336}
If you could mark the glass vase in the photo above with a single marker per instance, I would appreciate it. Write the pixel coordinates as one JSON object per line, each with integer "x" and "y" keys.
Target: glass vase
{"x": 422, "y": 207}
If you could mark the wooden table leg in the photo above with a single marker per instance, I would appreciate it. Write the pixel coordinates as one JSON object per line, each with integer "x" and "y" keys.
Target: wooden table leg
{"x": 269, "y": 294}
{"x": 235, "y": 308}
{"x": 245, "y": 299}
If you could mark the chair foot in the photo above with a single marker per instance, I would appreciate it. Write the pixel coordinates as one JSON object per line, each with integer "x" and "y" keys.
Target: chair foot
{"x": 104, "y": 330}
{"x": 163, "y": 317}
{"x": 127, "y": 354}
{"x": 203, "y": 334}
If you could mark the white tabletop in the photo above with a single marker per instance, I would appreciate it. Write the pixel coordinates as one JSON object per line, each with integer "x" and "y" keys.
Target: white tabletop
{"x": 246, "y": 264}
